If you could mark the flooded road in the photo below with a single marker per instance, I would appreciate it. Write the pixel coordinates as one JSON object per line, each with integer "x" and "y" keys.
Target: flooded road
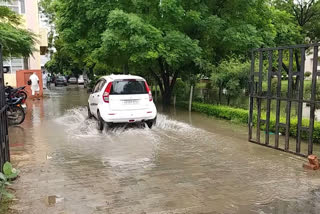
{"x": 188, "y": 163}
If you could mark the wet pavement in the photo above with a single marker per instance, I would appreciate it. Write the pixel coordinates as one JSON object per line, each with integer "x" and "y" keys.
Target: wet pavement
{"x": 188, "y": 163}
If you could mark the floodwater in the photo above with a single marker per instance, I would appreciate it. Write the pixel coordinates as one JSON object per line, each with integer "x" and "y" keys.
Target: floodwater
{"x": 188, "y": 163}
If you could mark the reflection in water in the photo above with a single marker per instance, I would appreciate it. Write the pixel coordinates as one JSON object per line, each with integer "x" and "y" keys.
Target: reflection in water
{"x": 17, "y": 142}
{"x": 188, "y": 163}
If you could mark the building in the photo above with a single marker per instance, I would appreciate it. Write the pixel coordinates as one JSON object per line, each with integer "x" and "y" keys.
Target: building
{"x": 46, "y": 27}
{"x": 309, "y": 63}
{"x": 29, "y": 10}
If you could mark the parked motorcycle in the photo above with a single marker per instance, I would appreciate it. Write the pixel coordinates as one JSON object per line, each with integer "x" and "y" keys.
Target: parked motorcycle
{"x": 17, "y": 92}
{"x": 15, "y": 112}
{"x": 16, "y": 107}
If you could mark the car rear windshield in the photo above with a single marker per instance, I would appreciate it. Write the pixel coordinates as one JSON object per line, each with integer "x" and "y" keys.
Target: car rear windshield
{"x": 128, "y": 87}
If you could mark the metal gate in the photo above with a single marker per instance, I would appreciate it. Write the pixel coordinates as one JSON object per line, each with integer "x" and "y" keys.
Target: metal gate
{"x": 279, "y": 99}
{"x": 4, "y": 139}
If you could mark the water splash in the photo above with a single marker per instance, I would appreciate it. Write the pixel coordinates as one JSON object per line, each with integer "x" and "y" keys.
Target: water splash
{"x": 77, "y": 124}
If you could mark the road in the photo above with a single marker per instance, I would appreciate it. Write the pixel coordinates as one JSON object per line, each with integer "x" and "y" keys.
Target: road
{"x": 188, "y": 163}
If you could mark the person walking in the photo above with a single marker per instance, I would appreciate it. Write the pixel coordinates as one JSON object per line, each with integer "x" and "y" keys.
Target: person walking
{"x": 45, "y": 79}
{"x": 49, "y": 81}
{"x": 35, "y": 88}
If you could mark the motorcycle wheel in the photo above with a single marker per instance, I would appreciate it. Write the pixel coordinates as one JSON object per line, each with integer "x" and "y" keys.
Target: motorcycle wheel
{"x": 15, "y": 115}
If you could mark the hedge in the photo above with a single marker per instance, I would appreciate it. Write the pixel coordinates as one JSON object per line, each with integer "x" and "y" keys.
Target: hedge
{"x": 242, "y": 116}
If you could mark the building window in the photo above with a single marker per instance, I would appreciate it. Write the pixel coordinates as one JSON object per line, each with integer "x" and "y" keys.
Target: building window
{"x": 22, "y": 6}
{"x": 14, "y": 5}
{"x": 43, "y": 50}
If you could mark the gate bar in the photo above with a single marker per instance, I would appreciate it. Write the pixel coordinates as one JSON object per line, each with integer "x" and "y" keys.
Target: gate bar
{"x": 300, "y": 97}
{"x": 278, "y": 100}
{"x": 289, "y": 95}
{"x": 313, "y": 98}
{"x": 259, "y": 90}
{"x": 268, "y": 99}
{"x": 251, "y": 99}
{"x": 4, "y": 138}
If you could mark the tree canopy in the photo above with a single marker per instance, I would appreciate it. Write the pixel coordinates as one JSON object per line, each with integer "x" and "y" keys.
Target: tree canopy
{"x": 167, "y": 39}
{"x": 15, "y": 40}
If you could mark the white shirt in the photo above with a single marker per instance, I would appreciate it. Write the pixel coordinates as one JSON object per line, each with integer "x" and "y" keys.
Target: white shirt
{"x": 34, "y": 80}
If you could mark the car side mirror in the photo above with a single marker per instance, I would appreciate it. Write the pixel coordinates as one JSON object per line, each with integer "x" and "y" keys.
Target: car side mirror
{"x": 89, "y": 90}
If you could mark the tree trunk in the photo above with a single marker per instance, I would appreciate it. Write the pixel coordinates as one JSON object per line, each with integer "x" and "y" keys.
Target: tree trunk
{"x": 91, "y": 74}
{"x": 166, "y": 87}
{"x": 166, "y": 98}
{"x": 220, "y": 94}
{"x": 126, "y": 68}
{"x": 156, "y": 93}
{"x": 25, "y": 63}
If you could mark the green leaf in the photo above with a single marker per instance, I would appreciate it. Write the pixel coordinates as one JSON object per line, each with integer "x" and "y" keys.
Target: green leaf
{"x": 7, "y": 194}
{"x": 9, "y": 171}
{"x": 12, "y": 175}
{"x": 3, "y": 177}
{"x": 7, "y": 168}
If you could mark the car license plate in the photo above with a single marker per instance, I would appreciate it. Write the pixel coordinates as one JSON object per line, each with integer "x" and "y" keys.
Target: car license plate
{"x": 130, "y": 102}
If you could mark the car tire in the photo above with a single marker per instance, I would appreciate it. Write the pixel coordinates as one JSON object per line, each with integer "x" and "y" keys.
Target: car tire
{"x": 100, "y": 122}
{"x": 108, "y": 126}
{"x": 89, "y": 112}
{"x": 150, "y": 123}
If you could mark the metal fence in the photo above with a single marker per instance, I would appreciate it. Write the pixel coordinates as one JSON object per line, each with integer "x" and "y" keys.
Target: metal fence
{"x": 272, "y": 63}
{"x": 4, "y": 138}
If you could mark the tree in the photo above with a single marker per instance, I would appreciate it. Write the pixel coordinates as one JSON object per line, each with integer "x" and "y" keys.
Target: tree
{"x": 129, "y": 40}
{"x": 16, "y": 41}
{"x": 306, "y": 14}
{"x": 166, "y": 39}
{"x": 232, "y": 76}
{"x": 61, "y": 62}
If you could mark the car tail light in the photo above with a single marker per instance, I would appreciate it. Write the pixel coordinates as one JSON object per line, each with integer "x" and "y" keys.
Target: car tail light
{"x": 149, "y": 91}
{"x": 107, "y": 93}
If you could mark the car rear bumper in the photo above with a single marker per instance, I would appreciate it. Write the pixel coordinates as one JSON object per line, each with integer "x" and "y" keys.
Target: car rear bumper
{"x": 60, "y": 83}
{"x": 132, "y": 116}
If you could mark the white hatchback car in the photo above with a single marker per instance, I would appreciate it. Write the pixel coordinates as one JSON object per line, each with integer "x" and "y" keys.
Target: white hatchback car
{"x": 122, "y": 99}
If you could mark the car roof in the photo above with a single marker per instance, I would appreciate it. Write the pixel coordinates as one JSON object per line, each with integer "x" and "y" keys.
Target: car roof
{"x": 121, "y": 76}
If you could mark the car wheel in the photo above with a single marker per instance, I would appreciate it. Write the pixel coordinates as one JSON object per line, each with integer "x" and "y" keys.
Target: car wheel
{"x": 150, "y": 123}
{"x": 89, "y": 112}
{"x": 108, "y": 126}
{"x": 100, "y": 122}
{"x": 55, "y": 85}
